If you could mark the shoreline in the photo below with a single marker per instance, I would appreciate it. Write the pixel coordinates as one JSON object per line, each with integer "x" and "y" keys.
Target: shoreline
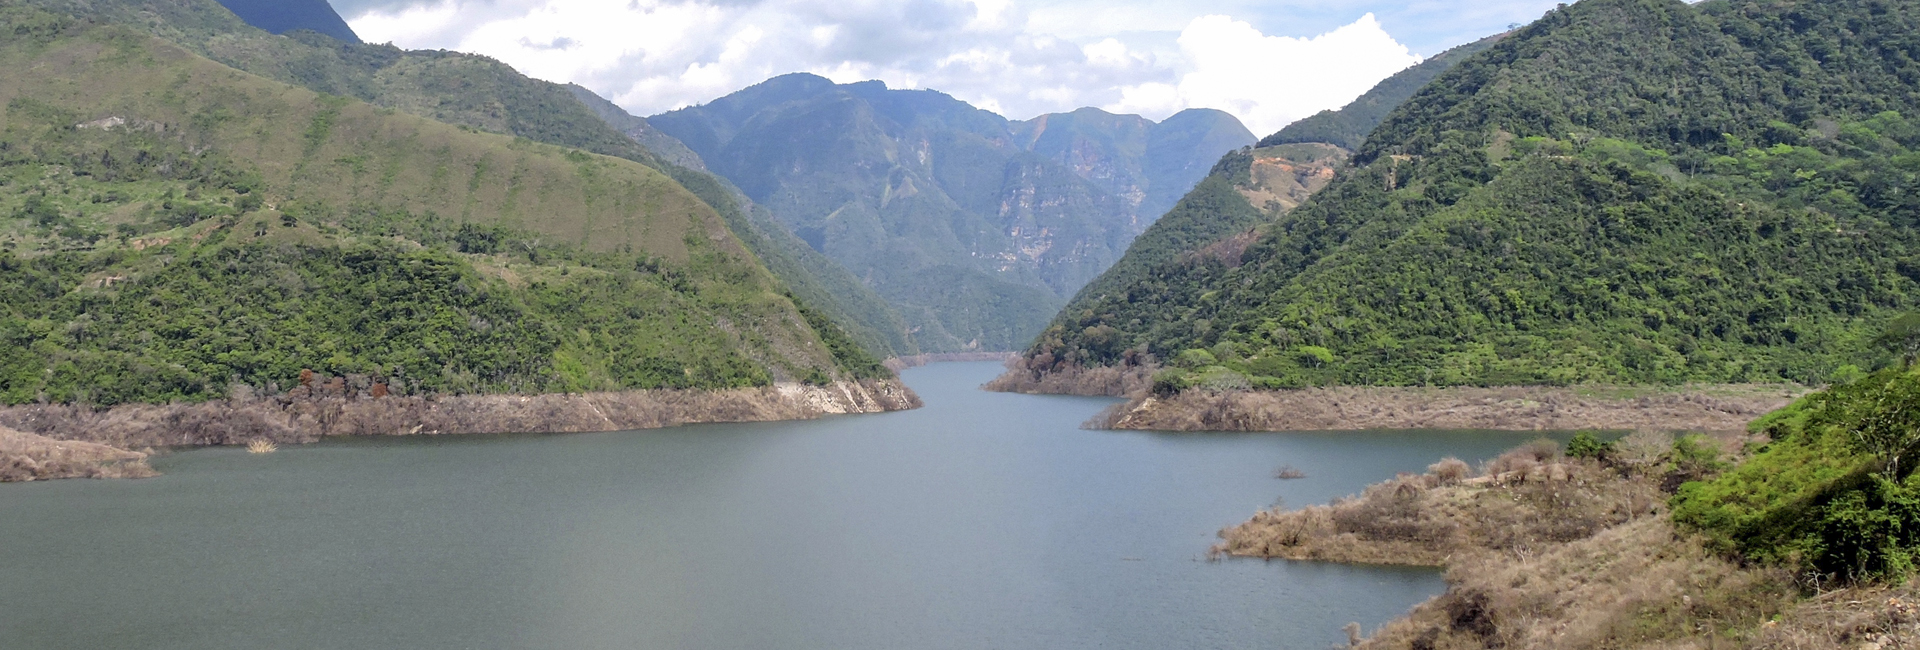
{"x": 1713, "y": 408}
{"x": 898, "y": 364}
{"x": 97, "y": 439}
{"x": 1544, "y": 551}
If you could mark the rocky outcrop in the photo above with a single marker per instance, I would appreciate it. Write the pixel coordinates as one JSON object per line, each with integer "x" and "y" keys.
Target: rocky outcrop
{"x": 29, "y": 457}
{"x": 303, "y": 415}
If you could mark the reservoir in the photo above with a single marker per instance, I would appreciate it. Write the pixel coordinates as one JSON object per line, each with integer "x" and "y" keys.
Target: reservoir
{"x": 983, "y": 520}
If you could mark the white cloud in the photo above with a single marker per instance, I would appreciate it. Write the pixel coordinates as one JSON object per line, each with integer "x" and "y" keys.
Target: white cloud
{"x": 1269, "y": 81}
{"x": 1003, "y": 55}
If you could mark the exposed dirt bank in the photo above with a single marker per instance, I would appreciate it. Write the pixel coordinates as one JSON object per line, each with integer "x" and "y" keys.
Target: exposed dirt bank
{"x": 303, "y": 416}
{"x": 902, "y": 363}
{"x": 1103, "y": 381}
{"x": 1546, "y": 552}
{"x": 1693, "y": 408}
{"x": 29, "y": 457}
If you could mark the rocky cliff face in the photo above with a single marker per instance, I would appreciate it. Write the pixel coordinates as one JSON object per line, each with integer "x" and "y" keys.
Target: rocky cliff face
{"x": 974, "y": 227}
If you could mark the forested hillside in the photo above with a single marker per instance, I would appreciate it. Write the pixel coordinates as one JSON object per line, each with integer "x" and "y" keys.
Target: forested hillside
{"x": 485, "y": 94}
{"x": 179, "y": 228}
{"x": 974, "y": 228}
{"x": 1623, "y": 191}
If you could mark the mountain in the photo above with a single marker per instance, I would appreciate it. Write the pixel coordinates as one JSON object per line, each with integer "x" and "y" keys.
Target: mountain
{"x": 177, "y": 229}
{"x": 487, "y": 95}
{"x": 972, "y": 226}
{"x": 813, "y": 277}
{"x": 282, "y": 16}
{"x": 1728, "y": 199}
{"x": 1148, "y": 165}
{"x": 1348, "y": 127}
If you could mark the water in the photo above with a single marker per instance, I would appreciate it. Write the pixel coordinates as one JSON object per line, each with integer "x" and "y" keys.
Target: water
{"x": 981, "y": 521}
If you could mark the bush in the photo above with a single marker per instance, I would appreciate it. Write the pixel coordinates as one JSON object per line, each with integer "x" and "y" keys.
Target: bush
{"x": 1586, "y": 445}
{"x": 1448, "y": 471}
{"x": 1815, "y": 498}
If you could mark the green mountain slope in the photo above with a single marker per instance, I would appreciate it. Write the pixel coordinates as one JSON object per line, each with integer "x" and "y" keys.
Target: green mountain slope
{"x": 485, "y": 94}
{"x": 812, "y": 276}
{"x": 176, "y": 227}
{"x": 1348, "y": 127}
{"x": 973, "y": 227}
{"x": 1624, "y": 191}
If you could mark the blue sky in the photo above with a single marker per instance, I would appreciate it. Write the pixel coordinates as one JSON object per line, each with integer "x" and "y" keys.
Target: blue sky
{"x": 1267, "y": 62}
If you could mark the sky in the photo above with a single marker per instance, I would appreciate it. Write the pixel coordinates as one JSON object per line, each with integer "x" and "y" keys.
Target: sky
{"x": 1267, "y": 62}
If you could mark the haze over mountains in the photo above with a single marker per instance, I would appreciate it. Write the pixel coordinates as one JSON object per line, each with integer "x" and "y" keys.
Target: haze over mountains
{"x": 976, "y": 228}
{"x": 973, "y": 228}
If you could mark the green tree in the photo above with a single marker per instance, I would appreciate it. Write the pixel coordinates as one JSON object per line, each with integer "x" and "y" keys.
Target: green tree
{"x": 1903, "y": 336}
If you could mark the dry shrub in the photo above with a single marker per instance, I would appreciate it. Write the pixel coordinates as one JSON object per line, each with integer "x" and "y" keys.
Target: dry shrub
{"x": 1424, "y": 520}
{"x": 1635, "y": 585}
{"x": 1878, "y": 616}
{"x": 1449, "y": 471}
{"x": 1642, "y": 448}
{"x": 1525, "y": 458}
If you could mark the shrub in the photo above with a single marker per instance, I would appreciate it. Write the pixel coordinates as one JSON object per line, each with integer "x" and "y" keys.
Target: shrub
{"x": 1525, "y": 457}
{"x": 1819, "y": 497}
{"x": 1448, "y": 471}
{"x": 1586, "y": 445}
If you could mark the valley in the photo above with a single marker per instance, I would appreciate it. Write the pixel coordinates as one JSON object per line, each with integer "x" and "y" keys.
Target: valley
{"x": 1596, "y": 332}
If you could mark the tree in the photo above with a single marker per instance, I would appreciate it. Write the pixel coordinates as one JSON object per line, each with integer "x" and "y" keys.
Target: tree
{"x": 1885, "y": 421}
{"x": 1903, "y": 336}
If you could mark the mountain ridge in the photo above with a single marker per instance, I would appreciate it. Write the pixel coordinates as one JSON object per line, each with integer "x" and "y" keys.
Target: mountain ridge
{"x": 901, "y": 186}
{"x": 1448, "y": 251}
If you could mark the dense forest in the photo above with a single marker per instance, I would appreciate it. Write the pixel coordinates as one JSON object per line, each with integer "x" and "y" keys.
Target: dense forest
{"x": 1624, "y": 191}
{"x": 179, "y": 230}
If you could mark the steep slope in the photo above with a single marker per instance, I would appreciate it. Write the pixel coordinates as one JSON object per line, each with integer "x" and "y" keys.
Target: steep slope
{"x": 179, "y": 229}
{"x": 282, "y": 16}
{"x": 973, "y": 233}
{"x": 668, "y": 148}
{"x": 485, "y": 94}
{"x": 1148, "y": 164}
{"x": 1348, "y": 127}
{"x": 813, "y": 277}
{"x": 1559, "y": 209}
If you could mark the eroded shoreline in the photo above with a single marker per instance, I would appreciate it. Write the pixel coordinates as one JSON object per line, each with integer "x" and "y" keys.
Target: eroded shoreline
{"x": 103, "y": 438}
{"x": 1705, "y": 408}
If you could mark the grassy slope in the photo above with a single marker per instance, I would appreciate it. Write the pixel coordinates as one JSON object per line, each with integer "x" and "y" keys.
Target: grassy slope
{"x": 1546, "y": 212}
{"x": 812, "y": 276}
{"x": 190, "y": 182}
{"x": 488, "y": 95}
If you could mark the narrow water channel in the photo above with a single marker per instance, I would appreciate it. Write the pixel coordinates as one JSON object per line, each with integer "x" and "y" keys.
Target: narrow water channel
{"x": 984, "y": 520}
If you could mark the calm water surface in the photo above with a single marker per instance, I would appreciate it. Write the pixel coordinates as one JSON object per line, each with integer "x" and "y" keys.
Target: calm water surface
{"x": 984, "y": 520}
